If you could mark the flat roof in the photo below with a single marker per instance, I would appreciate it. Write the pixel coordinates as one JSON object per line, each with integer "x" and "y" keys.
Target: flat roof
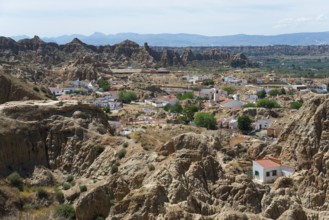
{"x": 267, "y": 163}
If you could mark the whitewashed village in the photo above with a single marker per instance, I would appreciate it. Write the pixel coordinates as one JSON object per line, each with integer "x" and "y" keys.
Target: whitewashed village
{"x": 253, "y": 109}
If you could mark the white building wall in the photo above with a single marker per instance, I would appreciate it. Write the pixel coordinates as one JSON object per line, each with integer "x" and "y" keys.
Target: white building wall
{"x": 271, "y": 178}
{"x": 257, "y": 167}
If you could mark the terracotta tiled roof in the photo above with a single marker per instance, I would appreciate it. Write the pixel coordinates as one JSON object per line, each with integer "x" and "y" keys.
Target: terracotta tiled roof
{"x": 267, "y": 163}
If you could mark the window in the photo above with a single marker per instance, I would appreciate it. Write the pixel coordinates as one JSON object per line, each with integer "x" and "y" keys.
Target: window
{"x": 267, "y": 173}
{"x": 256, "y": 173}
{"x": 274, "y": 173}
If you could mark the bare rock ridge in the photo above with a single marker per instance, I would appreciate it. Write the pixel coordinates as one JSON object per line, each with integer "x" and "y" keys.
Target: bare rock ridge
{"x": 53, "y": 54}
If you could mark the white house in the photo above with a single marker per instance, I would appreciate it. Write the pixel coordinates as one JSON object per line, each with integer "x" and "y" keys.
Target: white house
{"x": 56, "y": 91}
{"x": 230, "y": 123}
{"x": 269, "y": 169}
{"x": 263, "y": 124}
{"x": 229, "y": 79}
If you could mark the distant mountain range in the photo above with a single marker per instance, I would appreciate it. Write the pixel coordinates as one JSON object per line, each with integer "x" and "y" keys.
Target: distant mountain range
{"x": 186, "y": 40}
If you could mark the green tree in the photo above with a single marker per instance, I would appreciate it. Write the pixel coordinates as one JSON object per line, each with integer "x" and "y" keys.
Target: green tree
{"x": 296, "y": 104}
{"x": 188, "y": 113}
{"x": 267, "y": 103}
{"x": 229, "y": 90}
{"x": 275, "y": 92}
{"x": 208, "y": 82}
{"x": 205, "y": 120}
{"x": 249, "y": 105}
{"x": 185, "y": 95}
{"x": 244, "y": 123}
{"x": 104, "y": 84}
{"x": 261, "y": 94}
{"x": 127, "y": 96}
{"x": 177, "y": 108}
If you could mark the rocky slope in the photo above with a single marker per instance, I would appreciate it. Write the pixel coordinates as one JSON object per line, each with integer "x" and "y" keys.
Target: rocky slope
{"x": 13, "y": 89}
{"x": 184, "y": 173}
{"x": 305, "y": 145}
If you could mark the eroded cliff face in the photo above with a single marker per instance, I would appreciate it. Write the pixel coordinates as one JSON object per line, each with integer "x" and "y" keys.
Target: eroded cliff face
{"x": 12, "y": 89}
{"x": 304, "y": 144}
{"x": 53, "y": 134}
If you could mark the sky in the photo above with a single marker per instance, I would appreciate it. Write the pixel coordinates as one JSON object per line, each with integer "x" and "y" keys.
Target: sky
{"x": 50, "y": 18}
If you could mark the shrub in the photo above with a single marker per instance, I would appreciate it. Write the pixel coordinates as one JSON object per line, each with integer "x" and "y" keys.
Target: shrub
{"x": 296, "y": 105}
{"x": 65, "y": 211}
{"x": 42, "y": 193}
{"x": 114, "y": 168}
{"x": 249, "y": 105}
{"x": 107, "y": 109}
{"x": 99, "y": 218}
{"x": 15, "y": 180}
{"x": 59, "y": 195}
{"x": 36, "y": 89}
{"x": 69, "y": 178}
{"x": 125, "y": 145}
{"x": 104, "y": 84}
{"x": 151, "y": 167}
{"x": 127, "y": 96}
{"x": 205, "y": 120}
{"x": 83, "y": 188}
{"x": 121, "y": 153}
{"x": 98, "y": 150}
{"x": 185, "y": 95}
{"x": 275, "y": 92}
{"x": 66, "y": 186}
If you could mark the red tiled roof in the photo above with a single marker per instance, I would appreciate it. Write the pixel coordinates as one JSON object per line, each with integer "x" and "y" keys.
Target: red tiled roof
{"x": 267, "y": 163}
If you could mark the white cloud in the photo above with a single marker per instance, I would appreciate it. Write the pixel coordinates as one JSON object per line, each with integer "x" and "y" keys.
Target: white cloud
{"x": 300, "y": 21}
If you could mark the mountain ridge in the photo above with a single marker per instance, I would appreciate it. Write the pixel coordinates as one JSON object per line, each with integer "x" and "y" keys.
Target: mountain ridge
{"x": 185, "y": 40}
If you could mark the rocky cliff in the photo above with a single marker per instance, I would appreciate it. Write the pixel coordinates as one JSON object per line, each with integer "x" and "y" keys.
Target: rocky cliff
{"x": 50, "y": 133}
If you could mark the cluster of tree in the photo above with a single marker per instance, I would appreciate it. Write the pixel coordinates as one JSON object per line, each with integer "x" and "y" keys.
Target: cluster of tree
{"x": 185, "y": 95}
{"x": 127, "y": 96}
{"x": 275, "y": 92}
{"x": 186, "y": 113}
{"x": 104, "y": 84}
{"x": 263, "y": 103}
{"x": 177, "y": 108}
{"x": 206, "y": 120}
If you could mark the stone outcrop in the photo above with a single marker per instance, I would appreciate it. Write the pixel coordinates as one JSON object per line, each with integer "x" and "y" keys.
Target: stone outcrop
{"x": 53, "y": 134}
{"x": 13, "y": 89}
